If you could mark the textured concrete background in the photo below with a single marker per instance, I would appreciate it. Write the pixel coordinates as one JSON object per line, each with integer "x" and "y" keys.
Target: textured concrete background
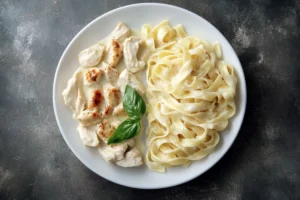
{"x": 264, "y": 161}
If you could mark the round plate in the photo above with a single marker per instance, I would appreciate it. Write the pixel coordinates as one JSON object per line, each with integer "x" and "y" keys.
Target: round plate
{"x": 135, "y": 16}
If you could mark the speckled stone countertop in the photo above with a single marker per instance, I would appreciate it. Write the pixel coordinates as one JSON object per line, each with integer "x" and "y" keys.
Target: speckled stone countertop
{"x": 264, "y": 161}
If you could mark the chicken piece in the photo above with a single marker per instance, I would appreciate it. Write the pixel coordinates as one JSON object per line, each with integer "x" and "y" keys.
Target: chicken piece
{"x": 128, "y": 78}
{"x": 114, "y": 52}
{"x": 80, "y": 103}
{"x": 131, "y": 47}
{"x": 116, "y": 123}
{"x": 105, "y": 130}
{"x": 96, "y": 99}
{"x": 88, "y": 135}
{"x": 115, "y": 152}
{"x": 112, "y": 98}
{"x": 92, "y": 75}
{"x": 89, "y": 117}
{"x": 119, "y": 110}
{"x": 111, "y": 95}
{"x": 70, "y": 94}
{"x": 121, "y": 32}
{"x": 107, "y": 110}
{"x": 133, "y": 158}
{"x": 109, "y": 154}
{"x": 91, "y": 56}
{"x": 111, "y": 74}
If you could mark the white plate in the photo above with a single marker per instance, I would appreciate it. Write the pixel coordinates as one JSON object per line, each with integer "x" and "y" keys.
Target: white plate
{"x": 135, "y": 16}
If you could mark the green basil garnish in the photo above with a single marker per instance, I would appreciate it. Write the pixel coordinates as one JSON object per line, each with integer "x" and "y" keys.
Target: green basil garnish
{"x": 135, "y": 107}
{"x": 133, "y": 103}
{"x": 126, "y": 130}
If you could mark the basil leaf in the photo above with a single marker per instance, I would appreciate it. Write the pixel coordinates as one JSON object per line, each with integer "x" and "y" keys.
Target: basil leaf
{"x": 126, "y": 130}
{"x": 135, "y": 107}
{"x": 133, "y": 103}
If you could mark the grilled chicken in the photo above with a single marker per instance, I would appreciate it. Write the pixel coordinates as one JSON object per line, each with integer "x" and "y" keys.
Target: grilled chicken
{"x": 131, "y": 47}
{"x": 80, "y": 103}
{"x": 121, "y": 32}
{"x": 89, "y": 117}
{"x": 88, "y": 135}
{"x": 116, "y": 123}
{"x": 112, "y": 98}
{"x": 114, "y": 52}
{"x": 105, "y": 130}
{"x": 119, "y": 110}
{"x": 111, "y": 74}
{"x": 96, "y": 99}
{"x": 127, "y": 78}
{"x": 115, "y": 152}
{"x": 132, "y": 158}
{"x": 70, "y": 94}
{"x": 92, "y": 75}
{"x": 111, "y": 95}
{"x": 96, "y": 105}
{"x": 121, "y": 153}
{"x": 91, "y": 56}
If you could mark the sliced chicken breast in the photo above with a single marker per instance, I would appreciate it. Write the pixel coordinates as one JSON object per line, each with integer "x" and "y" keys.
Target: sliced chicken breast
{"x": 111, "y": 74}
{"x": 119, "y": 110}
{"x": 92, "y": 75}
{"x": 115, "y": 152}
{"x": 131, "y": 47}
{"x": 88, "y": 135}
{"x": 121, "y": 32}
{"x": 132, "y": 158}
{"x": 90, "y": 103}
{"x": 70, "y": 94}
{"x": 112, "y": 98}
{"x": 128, "y": 78}
{"x": 114, "y": 52}
{"x": 91, "y": 56}
{"x": 112, "y": 95}
{"x": 89, "y": 117}
{"x": 105, "y": 130}
{"x": 81, "y": 104}
{"x": 115, "y": 123}
{"x": 96, "y": 99}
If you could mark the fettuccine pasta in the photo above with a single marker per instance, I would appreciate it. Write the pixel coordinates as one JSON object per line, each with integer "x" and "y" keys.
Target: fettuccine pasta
{"x": 190, "y": 92}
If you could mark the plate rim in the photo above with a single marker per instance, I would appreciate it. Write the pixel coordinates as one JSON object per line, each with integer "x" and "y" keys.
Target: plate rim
{"x": 241, "y": 78}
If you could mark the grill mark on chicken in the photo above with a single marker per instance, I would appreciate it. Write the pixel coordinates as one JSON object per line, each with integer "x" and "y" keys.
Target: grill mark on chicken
{"x": 107, "y": 110}
{"x": 90, "y": 117}
{"x": 115, "y": 94}
{"x": 97, "y": 115}
{"x": 106, "y": 129}
{"x": 112, "y": 97}
{"x": 97, "y": 98}
{"x": 111, "y": 73}
{"x": 116, "y": 52}
{"x": 116, "y": 48}
{"x": 92, "y": 75}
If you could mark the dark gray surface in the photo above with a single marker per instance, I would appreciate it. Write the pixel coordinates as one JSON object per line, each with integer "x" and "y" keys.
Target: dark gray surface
{"x": 264, "y": 161}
